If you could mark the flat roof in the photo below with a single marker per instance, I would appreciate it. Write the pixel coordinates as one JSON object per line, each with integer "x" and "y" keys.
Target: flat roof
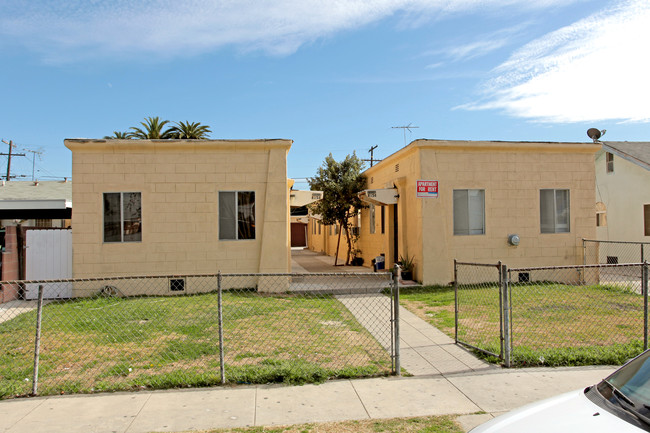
{"x": 28, "y": 192}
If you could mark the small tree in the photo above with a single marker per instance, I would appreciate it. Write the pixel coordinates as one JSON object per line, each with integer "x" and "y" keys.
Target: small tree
{"x": 340, "y": 182}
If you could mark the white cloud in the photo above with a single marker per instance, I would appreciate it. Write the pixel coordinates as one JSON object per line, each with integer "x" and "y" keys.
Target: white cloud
{"x": 77, "y": 29}
{"x": 595, "y": 69}
{"x": 480, "y": 46}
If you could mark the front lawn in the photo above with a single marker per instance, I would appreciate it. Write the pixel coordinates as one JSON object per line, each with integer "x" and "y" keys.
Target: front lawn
{"x": 552, "y": 324}
{"x": 109, "y": 344}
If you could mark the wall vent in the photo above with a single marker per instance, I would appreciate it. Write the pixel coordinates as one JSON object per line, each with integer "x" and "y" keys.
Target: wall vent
{"x": 396, "y": 168}
{"x": 177, "y": 284}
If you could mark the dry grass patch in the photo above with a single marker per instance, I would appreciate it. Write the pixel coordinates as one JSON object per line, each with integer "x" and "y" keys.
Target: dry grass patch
{"x": 430, "y": 424}
{"x": 98, "y": 344}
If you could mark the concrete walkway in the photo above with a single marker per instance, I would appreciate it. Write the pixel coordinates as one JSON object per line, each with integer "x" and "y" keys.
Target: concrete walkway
{"x": 447, "y": 380}
{"x": 424, "y": 349}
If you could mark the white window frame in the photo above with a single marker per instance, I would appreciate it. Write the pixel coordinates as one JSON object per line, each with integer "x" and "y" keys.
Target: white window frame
{"x": 558, "y": 226}
{"x": 371, "y": 217}
{"x": 472, "y": 228}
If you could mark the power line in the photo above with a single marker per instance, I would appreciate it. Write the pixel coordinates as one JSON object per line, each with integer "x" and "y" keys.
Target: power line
{"x": 372, "y": 155}
{"x": 9, "y": 155}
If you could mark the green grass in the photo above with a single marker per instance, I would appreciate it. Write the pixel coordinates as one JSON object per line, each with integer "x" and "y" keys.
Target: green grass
{"x": 111, "y": 344}
{"x": 552, "y": 324}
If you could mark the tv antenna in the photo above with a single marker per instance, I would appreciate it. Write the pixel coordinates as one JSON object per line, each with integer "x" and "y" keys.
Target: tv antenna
{"x": 34, "y": 153}
{"x": 405, "y": 128}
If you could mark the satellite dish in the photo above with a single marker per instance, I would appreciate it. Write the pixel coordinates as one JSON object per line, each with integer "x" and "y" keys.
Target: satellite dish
{"x": 595, "y": 134}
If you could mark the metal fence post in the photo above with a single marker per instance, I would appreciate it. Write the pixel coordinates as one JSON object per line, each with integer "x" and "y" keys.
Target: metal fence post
{"x": 37, "y": 339}
{"x": 501, "y": 331}
{"x": 644, "y": 288}
{"x": 456, "y": 300}
{"x": 507, "y": 343}
{"x": 398, "y": 370}
{"x": 222, "y": 367}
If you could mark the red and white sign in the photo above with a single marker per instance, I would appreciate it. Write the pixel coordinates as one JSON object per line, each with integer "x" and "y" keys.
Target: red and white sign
{"x": 427, "y": 188}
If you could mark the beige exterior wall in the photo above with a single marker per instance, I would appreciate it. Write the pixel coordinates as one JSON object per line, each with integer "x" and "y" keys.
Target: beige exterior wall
{"x": 180, "y": 182}
{"x": 511, "y": 174}
{"x": 623, "y": 192}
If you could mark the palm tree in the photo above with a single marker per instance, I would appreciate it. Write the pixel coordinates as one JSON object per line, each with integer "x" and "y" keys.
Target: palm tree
{"x": 187, "y": 130}
{"x": 118, "y": 135}
{"x": 153, "y": 129}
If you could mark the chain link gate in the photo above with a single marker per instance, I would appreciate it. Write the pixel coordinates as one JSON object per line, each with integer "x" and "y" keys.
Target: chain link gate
{"x": 126, "y": 333}
{"x": 482, "y": 308}
{"x": 556, "y": 315}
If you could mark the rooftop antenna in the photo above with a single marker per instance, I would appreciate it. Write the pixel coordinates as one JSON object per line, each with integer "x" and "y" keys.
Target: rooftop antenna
{"x": 405, "y": 128}
{"x": 34, "y": 153}
{"x": 595, "y": 133}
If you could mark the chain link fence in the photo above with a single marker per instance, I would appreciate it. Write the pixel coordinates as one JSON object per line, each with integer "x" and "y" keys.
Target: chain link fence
{"x": 615, "y": 252}
{"x": 129, "y": 333}
{"x": 561, "y": 315}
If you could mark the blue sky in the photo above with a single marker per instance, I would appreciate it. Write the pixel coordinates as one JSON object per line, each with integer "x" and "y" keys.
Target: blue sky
{"x": 334, "y": 76}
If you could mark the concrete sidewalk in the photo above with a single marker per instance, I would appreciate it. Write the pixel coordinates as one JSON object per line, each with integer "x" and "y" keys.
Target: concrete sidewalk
{"x": 492, "y": 392}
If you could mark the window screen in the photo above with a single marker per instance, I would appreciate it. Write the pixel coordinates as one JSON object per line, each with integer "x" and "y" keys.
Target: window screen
{"x": 554, "y": 209}
{"x": 469, "y": 212}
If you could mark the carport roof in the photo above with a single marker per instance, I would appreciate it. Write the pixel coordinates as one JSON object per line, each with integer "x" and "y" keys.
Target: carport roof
{"x": 23, "y": 199}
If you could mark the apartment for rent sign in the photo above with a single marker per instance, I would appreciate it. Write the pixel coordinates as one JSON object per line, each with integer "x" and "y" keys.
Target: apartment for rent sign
{"x": 427, "y": 188}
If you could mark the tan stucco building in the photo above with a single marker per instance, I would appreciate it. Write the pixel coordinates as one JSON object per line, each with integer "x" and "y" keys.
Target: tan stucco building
{"x": 161, "y": 207}
{"x": 486, "y": 191}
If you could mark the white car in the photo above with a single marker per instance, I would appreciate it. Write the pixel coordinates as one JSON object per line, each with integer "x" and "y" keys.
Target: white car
{"x": 618, "y": 404}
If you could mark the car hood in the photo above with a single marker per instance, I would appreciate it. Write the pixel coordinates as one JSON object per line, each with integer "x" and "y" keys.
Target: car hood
{"x": 571, "y": 413}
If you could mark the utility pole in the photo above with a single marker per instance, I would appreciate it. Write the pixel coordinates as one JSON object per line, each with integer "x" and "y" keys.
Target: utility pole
{"x": 404, "y": 128}
{"x": 372, "y": 157}
{"x": 9, "y": 155}
{"x": 372, "y": 149}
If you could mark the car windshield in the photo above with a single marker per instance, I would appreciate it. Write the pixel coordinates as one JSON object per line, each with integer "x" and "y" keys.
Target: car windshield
{"x": 633, "y": 380}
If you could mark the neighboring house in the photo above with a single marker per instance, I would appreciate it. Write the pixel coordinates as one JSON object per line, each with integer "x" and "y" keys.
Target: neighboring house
{"x": 25, "y": 208}
{"x": 622, "y": 192}
{"x": 36, "y": 203}
{"x": 300, "y": 215}
{"x": 161, "y": 207}
{"x": 473, "y": 197}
